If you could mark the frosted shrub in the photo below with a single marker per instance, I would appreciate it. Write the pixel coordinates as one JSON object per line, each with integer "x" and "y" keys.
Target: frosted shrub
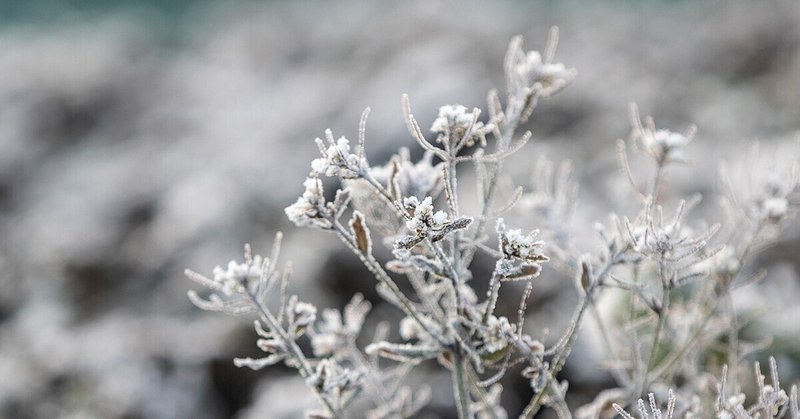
{"x": 677, "y": 273}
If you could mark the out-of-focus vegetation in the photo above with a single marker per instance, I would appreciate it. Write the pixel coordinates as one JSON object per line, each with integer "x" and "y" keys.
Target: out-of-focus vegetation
{"x": 136, "y": 140}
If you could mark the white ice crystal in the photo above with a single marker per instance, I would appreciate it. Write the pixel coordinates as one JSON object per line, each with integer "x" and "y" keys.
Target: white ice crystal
{"x": 337, "y": 159}
{"x": 775, "y": 208}
{"x": 307, "y": 207}
{"x": 231, "y": 279}
{"x": 423, "y": 218}
{"x": 665, "y": 143}
{"x": 494, "y": 339}
{"x": 546, "y": 78}
{"x": 453, "y": 122}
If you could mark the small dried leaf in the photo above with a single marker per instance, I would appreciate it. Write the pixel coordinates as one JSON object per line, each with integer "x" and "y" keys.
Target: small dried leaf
{"x": 407, "y": 242}
{"x": 361, "y": 233}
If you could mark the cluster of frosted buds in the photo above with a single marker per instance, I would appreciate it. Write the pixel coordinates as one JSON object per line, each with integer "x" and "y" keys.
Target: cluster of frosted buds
{"x": 543, "y": 77}
{"x": 669, "y": 242}
{"x": 405, "y": 178}
{"x": 454, "y": 122}
{"x": 234, "y": 278}
{"x": 772, "y": 400}
{"x": 516, "y": 246}
{"x": 423, "y": 218}
{"x": 523, "y": 246}
{"x": 732, "y": 407}
{"x": 300, "y": 314}
{"x": 522, "y": 253}
{"x": 424, "y": 222}
{"x": 336, "y": 160}
{"x": 774, "y": 204}
{"x": 335, "y": 332}
{"x": 663, "y": 145}
{"x": 774, "y": 208}
{"x": 333, "y": 380}
{"x": 309, "y": 209}
{"x": 494, "y": 336}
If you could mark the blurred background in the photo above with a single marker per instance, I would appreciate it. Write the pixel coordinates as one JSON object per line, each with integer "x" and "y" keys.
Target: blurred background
{"x": 141, "y": 138}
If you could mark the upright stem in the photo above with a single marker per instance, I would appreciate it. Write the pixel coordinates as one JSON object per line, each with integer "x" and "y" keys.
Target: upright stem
{"x": 606, "y": 336}
{"x": 460, "y": 385}
{"x": 513, "y": 114}
{"x": 662, "y": 320}
{"x": 665, "y": 366}
{"x": 459, "y": 303}
{"x": 455, "y": 241}
{"x": 480, "y": 393}
{"x": 733, "y": 338}
{"x": 657, "y": 180}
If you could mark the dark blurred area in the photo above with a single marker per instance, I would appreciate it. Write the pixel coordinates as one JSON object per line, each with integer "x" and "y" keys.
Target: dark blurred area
{"x": 141, "y": 138}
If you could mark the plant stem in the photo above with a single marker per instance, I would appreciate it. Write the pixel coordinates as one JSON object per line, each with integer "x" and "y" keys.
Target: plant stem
{"x": 297, "y": 353}
{"x": 510, "y": 123}
{"x": 481, "y": 394}
{"x": 375, "y": 268}
{"x": 560, "y": 358}
{"x": 460, "y": 385}
{"x": 662, "y": 320}
{"x": 564, "y": 345}
{"x": 667, "y": 364}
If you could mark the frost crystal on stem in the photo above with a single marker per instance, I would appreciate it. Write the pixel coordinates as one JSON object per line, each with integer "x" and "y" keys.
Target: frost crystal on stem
{"x": 310, "y": 207}
{"x": 336, "y": 160}
{"x": 663, "y": 145}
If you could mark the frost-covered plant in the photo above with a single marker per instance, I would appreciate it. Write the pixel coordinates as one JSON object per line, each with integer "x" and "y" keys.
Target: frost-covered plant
{"x": 676, "y": 273}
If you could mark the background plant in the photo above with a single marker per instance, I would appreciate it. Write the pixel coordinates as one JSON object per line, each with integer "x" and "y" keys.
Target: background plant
{"x": 673, "y": 277}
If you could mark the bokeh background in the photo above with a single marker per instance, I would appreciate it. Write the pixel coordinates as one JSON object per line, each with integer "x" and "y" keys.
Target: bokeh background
{"x": 141, "y": 138}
